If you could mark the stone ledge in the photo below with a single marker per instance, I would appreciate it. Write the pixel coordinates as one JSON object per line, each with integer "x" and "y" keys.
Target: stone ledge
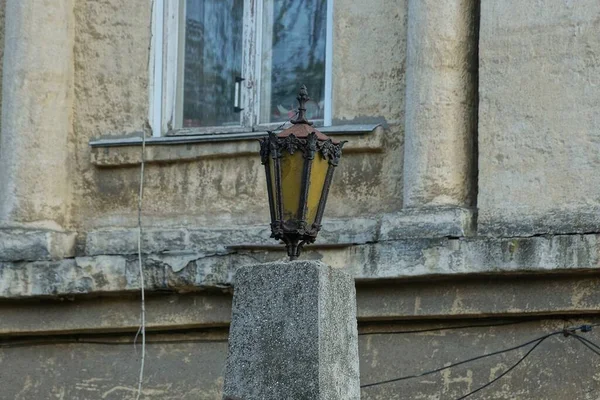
{"x": 400, "y": 259}
{"x": 488, "y": 297}
{"x": 428, "y": 223}
{"x": 31, "y": 245}
{"x": 528, "y": 222}
{"x": 126, "y": 151}
{"x": 115, "y": 314}
{"x": 209, "y": 241}
{"x": 415, "y": 223}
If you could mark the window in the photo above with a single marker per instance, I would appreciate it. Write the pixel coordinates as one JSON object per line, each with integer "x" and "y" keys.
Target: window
{"x": 236, "y": 65}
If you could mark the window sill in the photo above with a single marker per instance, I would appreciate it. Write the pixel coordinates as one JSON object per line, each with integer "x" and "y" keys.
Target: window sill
{"x": 121, "y": 151}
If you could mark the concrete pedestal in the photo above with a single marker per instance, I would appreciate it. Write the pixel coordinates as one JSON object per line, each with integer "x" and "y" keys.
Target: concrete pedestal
{"x": 293, "y": 334}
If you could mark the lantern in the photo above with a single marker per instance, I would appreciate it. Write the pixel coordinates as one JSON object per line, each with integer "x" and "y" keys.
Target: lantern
{"x": 299, "y": 164}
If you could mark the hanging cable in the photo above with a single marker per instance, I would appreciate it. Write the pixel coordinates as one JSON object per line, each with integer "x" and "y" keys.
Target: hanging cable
{"x": 536, "y": 341}
{"x": 69, "y": 340}
{"x": 567, "y": 332}
{"x": 588, "y": 343}
{"x": 515, "y": 365}
{"x": 448, "y": 328}
{"x": 459, "y": 363}
{"x": 142, "y": 328}
{"x": 280, "y": 127}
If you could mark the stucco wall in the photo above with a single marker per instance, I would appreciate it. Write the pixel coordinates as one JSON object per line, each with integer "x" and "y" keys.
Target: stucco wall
{"x": 538, "y": 121}
{"x": 111, "y": 91}
{"x": 369, "y": 60}
{"x": 36, "y": 114}
{"x": 112, "y": 45}
{"x": 108, "y": 369}
{"x": 561, "y": 368}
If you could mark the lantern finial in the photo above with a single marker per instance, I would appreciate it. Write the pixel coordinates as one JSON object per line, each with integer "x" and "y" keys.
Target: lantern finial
{"x": 302, "y": 99}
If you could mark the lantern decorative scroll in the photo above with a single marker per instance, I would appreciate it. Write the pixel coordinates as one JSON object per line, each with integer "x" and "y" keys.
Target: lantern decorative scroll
{"x": 299, "y": 164}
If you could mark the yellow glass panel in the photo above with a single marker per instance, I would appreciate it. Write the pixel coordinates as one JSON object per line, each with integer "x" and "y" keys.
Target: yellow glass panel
{"x": 317, "y": 180}
{"x": 292, "y": 166}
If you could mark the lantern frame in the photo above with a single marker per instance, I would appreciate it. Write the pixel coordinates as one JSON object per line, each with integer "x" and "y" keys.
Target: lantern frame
{"x": 297, "y": 231}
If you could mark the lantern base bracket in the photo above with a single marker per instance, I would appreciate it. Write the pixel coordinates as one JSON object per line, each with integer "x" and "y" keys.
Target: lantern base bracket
{"x": 294, "y": 248}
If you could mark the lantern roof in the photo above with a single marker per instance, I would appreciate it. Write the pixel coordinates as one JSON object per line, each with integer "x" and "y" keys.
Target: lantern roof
{"x": 302, "y": 131}
{"x": 301, "y": 127}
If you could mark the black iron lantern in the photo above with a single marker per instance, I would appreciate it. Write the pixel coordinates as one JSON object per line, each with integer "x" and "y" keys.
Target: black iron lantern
{"x": 299, "y": 164}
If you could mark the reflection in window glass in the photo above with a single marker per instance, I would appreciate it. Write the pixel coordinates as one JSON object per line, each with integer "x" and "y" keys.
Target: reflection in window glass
{"x": 213, "y": 59}
{"x": 293, "y": 53}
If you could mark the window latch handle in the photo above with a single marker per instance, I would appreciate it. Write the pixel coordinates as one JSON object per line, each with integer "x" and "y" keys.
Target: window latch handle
{"x": 237, "y": 97}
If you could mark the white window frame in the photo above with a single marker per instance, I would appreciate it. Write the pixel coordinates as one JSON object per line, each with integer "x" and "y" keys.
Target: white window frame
{"x": 166, "y": 91}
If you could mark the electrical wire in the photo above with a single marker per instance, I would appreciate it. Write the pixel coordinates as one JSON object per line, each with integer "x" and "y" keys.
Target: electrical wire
{"x": 55, "y": 341}
{"x": 448, "y": 328}
{"x": 460, "y": 362}
{"x": 537, "y": 341}
{"x": 142, "y": 328}
{"x": 280, "y": 127}
{"x": 588, "y": 343}
{"x": 567, "y": 332}
{"x": 515, "y": 365}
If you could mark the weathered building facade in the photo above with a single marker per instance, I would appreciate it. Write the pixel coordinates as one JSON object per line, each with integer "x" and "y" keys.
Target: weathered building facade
{"x": 468, "y": 194}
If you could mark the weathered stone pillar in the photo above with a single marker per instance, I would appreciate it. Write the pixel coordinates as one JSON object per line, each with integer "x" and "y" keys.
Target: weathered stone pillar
{"x": 293, "y": 334}
{"x": 441, "y": 103}
{"x": 37, "y": 100}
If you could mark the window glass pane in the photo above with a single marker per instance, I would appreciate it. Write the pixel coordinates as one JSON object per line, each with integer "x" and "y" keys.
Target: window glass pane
{"x": 293, "y": 54}
{"x": 213, "y": 59}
